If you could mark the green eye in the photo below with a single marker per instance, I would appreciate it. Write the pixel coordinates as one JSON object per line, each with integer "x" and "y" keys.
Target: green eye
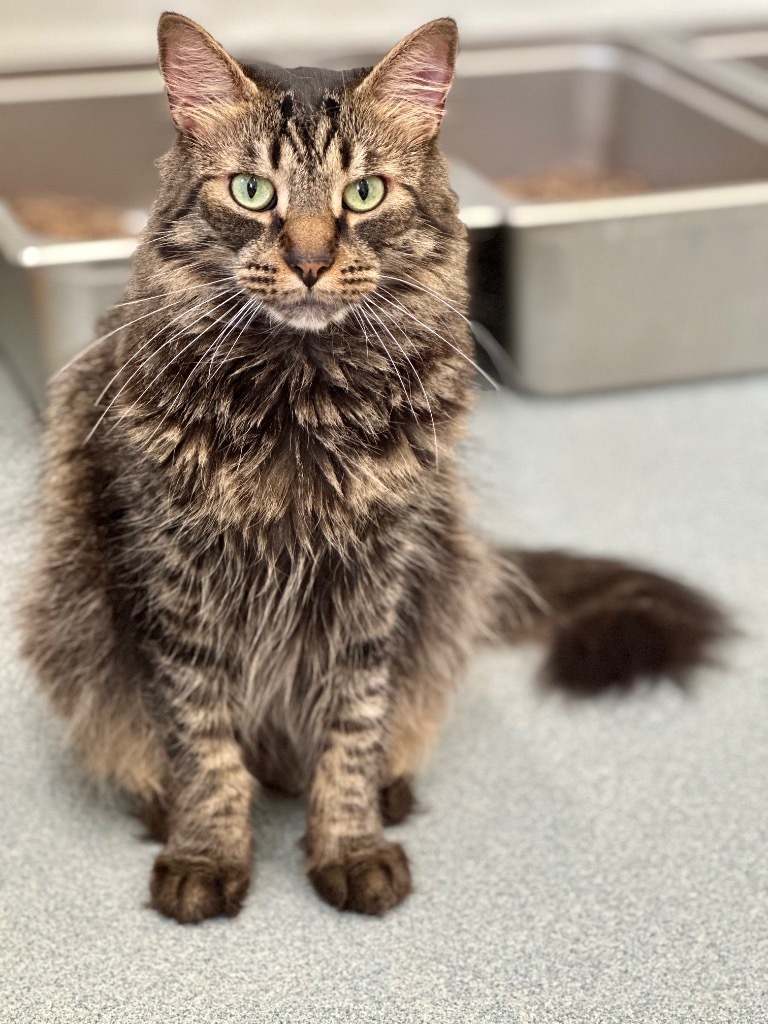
{"x": 365, "y": 194}
{"x": 252, "y": 192}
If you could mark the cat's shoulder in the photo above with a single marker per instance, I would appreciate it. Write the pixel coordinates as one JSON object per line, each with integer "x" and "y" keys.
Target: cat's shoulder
{"x": 75, "y": 394}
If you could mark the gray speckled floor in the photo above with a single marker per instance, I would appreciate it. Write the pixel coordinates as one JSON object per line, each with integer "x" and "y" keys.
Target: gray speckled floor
{"x": 601, "y": 862}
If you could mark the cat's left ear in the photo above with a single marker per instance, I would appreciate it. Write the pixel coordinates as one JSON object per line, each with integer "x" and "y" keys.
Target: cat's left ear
{"x": 200, "y": 76}
{"x": 412, "y": 81}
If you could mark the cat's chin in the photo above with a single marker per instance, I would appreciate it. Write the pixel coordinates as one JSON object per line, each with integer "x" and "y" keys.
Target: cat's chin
{"x": 308, "y": 315}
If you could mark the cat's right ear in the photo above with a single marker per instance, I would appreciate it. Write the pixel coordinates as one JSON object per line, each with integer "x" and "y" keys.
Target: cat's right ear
{"x": 412, "y": 81}
{"x": 200, "y": 76}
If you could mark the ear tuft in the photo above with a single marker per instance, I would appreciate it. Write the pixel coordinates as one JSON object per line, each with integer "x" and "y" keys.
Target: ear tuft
{"x": 414, "y": 78}
{"x": 199, "y": 74}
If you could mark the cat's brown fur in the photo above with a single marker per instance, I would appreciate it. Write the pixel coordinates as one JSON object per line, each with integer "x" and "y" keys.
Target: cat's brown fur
{"x": 255, "y": 562}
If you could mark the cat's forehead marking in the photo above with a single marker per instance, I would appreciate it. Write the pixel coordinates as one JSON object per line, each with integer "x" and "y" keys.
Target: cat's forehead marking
{"x": 308, "y": 86}
{"x": 305, "y": 131}
{"x": 309, "y": 132}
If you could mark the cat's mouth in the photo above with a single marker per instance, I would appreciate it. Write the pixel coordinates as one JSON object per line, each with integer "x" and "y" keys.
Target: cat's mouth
{"x": 308, "y": 313}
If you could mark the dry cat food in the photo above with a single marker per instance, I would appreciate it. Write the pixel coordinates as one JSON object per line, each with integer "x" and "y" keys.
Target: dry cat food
{"x": 565, "y": 183}
{"x": 68, "y": 219}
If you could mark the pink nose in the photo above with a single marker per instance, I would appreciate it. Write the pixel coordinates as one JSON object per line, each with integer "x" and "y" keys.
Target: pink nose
{"x": 311, "y": 268}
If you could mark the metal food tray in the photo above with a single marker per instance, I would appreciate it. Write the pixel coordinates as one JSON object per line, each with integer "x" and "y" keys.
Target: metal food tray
{"x": 92, "y": 135}
{"x": 612, "y": 292}
{"x": 733, "y": 60}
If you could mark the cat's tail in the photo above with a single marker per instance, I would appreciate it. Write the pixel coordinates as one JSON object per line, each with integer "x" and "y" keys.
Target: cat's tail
{"x": 607, "y": 623}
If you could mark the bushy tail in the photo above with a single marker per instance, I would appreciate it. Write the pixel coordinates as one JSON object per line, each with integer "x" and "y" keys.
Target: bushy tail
{"x": 607, "y": 623}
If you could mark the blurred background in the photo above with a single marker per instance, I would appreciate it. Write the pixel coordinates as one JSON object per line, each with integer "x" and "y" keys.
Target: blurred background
{"x": 611, "y": 161}
{"x": 41, "y": 33}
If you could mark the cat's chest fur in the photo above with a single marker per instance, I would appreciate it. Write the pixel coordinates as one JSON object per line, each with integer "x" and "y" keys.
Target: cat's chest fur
{"x": 294, "y": 454}
{"x": 273, "y": 615}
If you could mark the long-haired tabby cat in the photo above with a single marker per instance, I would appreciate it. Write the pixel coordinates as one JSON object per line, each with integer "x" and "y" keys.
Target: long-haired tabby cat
{"x": 255, "y": 565}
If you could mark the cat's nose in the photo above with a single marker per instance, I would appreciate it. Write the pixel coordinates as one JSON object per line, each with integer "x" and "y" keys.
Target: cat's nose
{"x": 309, "y": 268}
{"x": 309, "y": 242}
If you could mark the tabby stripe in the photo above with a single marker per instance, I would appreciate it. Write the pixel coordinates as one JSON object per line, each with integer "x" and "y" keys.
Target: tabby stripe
{"x": 332, "y": 110}
{"x": 426, "y": 213}
{"x": 355, "y": 726}
{"x": 353, "y": 768}
{"x": 189, "y": 203}
{"x": 274, "y": 153}
{"x": 173, "y": 211}
{"x": 302, "y": 141}
{"x": 348, "y": 793}
{"x": 177, "y": 649}
{"x": 171, "y": 250}
{"x": 307, "y": 132}
{"x": 369, "y": 655}
{"x": 345, "y": 153}
{"x": 363, "y": 752}
{"x": 349, "y": 809}
{"x": 223, "y": 814}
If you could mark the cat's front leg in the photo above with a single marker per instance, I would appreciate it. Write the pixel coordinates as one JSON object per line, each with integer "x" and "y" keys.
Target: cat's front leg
{"x": 205, "y": 867}
{"x": 349, "y": 862}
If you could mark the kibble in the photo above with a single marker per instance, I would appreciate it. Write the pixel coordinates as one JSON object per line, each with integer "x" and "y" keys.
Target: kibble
{"x": 571, "y": 183}
{"x": 67, "y": 218}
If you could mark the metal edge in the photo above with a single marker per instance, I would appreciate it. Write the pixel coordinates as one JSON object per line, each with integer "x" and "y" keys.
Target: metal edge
{"x": 647, "y": 64}
{"x": 729, "y": 44}
{"x": 525, "y": 215}
{"x": 74, "y": 85}
{"x": 733, "y": 77}
{"x": 534, "y": 57}
{"x": 478, "y": 217}
{"x": 24, "y": 249}
{"x": 657, "y": 61}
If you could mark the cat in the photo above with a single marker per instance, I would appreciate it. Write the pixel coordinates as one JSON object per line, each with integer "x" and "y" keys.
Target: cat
{"x": 255, "y": 565}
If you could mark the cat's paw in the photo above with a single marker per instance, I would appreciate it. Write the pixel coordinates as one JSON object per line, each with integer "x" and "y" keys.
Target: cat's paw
{"x": 370, "y": 881}
{"x": 396, "y": 801}
{"x": 191, "y": 889}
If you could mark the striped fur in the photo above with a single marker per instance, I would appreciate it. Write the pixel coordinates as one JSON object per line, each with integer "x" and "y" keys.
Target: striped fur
{"x": 255, "y": 564}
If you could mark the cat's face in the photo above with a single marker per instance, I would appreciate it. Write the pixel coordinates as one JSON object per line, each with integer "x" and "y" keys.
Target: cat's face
{"x": 312, "y": 189}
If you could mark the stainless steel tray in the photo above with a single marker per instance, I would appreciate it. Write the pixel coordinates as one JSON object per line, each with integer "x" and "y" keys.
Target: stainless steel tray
{"x": 733, "y": 60}
{"x": 747, "y": 46}
{"x": 631, "y": 290}
{"x": 92, "y": 135}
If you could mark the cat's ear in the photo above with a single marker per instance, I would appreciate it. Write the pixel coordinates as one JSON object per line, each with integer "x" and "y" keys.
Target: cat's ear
{"x": 412, "y": 81}
{"x": 200, "y": 76}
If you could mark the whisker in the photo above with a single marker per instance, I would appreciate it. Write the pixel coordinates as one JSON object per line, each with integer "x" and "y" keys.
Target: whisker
{"x": 104, "y": 337}
{"x": 180, "y": 392}
{"x": 199, "y": 362}
{"x": 372, "y": 313}
{"x": 392, "y": 361}
{"x": 175, "y": 302}
{"x": 231, "y": 327}
{"x": 383, "y": 312}
{"x": 242, "y": 330}
{"x": 384, "y": 294}
{"x": 428, "y": 291}
{"x": 175, "y": 335}
{"x": 171, "y": 291}
{"x": 361, "y": 322}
